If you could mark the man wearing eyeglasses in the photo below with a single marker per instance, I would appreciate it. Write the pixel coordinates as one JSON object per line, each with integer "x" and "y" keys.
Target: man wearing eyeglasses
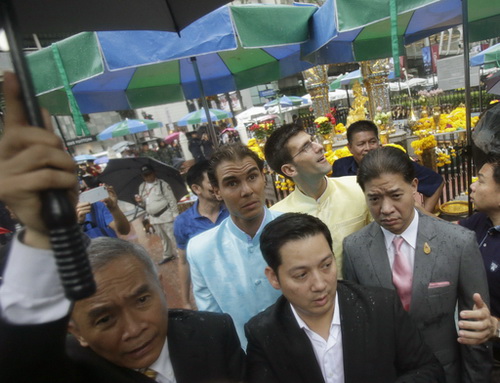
{"x": 338, "y": 202}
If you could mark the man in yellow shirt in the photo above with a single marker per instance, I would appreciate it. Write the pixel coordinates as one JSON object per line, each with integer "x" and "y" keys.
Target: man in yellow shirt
{"x": 338, "y": 202}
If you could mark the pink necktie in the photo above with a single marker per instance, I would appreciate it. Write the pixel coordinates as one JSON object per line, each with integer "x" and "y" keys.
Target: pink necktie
{"x": 402, "y": 274}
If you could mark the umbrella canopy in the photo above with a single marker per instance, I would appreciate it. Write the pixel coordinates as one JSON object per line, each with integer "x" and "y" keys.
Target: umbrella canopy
{"x": 124, "y": 174}
{"x": 285, "y": 101}
{"x": 70, "y": 16}
{"x": 158, "y": 69}
{"x": 172, "y": 137}
{"x": 251, "y": 113}
{"x": 493, "y": 84}
{"x": 489, "y": 57}
{"x": 347, "y": 80}
{"x": 84, "y": 157}
{"x": 102, "y": 160}
{"x": 228, "y": 130}
{"x": 199, "y": 116}
{"x": 343, "y": 33}
{"x": 123, "y": 128}
{"x": 121, "y": 146}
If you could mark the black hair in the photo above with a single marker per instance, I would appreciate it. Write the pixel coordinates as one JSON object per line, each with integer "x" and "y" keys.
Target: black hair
{"x": 276, "y": 151}
{"x": 383, "y": 160}
{"x": 494, "y": 160}
{"x": 289, "y": 227}
{"x": 361, "y": 126}
{"x": 196, "y": 172}
{"x": 231, "y": 152}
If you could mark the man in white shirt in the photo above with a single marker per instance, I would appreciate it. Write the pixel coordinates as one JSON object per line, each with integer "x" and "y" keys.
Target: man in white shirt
{"x": 118, "y": 333}
{"x": 432, "y": 264}
{"x": 156, "y": 196}
{"x": 324, "y": 330}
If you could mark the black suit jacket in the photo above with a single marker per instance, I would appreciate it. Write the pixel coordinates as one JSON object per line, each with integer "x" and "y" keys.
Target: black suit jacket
{"x": 380, "y": 342}
{"x": 204, "y": 348}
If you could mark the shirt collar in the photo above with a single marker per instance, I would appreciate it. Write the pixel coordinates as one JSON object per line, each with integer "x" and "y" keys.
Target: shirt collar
{"x": 335, "y": 319}
{"x": 197, "y": 214}
{"x": 163, "y": 365}
{"x": 244, "y": 236}
{"x": 409, "y": 235}
{"x": 322, "y": 196}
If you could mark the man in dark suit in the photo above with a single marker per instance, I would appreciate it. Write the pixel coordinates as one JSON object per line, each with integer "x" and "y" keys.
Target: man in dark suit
{"x": 432, "y": 264}
{"x": 121, "y": 332}
{"x": 322, "y": 330}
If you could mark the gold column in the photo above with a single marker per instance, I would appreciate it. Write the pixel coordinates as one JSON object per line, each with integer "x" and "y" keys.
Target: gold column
{"x": 375, "y": 74}
{"x": 316, "y": 81}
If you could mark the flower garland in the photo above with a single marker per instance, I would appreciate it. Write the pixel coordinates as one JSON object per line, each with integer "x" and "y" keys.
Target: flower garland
{"x": 396, "y": 146}
{"x": 447, "y": 122}
{"x": 340, "y": 128}
{"x": 284, "y": 184}
{"x": 254, "y": 146}
{"x": 333, "y": 155}
{"x": 424, "y": 143}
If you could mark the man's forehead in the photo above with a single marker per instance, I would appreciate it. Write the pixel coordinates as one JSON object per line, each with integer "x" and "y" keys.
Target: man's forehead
{"x": 363, "y": 135}
{"x": 236, "y": 166}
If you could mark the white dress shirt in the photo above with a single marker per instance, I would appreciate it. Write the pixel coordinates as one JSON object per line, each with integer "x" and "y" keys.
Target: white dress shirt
{"x": 329, "y": 353}
{"x": 163, "y": 366}
{"x": 409, "y": 244}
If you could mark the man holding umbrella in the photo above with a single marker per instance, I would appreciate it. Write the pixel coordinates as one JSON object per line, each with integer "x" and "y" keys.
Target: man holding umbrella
{"x": 157, "y": 198}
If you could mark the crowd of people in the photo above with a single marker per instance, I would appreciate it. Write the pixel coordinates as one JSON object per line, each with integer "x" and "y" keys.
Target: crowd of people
{"x": 348, "y": 279}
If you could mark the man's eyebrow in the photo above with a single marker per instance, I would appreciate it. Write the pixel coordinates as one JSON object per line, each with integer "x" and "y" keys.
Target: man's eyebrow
{"x": 96, "y": 312}
{"x": 301, "y": 267}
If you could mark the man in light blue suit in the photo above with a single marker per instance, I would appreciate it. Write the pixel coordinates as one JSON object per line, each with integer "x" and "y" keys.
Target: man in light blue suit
{"x": 227, "y": 267}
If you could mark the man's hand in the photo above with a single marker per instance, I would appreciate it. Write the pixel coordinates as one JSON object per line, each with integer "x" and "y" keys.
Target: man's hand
{"x": 477, "y": 325}
{"x": 31, "y": 160}
{"x": 82, "y": 209}
{"x": 112, "y": 201}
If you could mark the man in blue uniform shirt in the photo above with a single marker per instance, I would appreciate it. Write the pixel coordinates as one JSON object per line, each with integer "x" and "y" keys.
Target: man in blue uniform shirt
{"x": 362, "y": 137}
{"x": 485, "y": 193}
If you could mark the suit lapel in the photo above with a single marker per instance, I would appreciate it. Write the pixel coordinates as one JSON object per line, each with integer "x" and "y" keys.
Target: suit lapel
{"x": 423, "y": 263}
{"x": 378, "y": 257}
{"x": 300, "y": 350}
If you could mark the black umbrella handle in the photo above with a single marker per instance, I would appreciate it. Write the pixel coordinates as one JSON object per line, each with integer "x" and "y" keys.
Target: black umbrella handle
{"x": 57, "y": 211}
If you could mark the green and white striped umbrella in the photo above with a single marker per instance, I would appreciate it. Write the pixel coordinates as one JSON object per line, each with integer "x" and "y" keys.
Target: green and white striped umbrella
{"x": 200, "y": 116}
{"x": 123, "y": 128}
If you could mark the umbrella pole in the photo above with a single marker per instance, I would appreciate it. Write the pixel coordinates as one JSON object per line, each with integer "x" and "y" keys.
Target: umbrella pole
{"x": 465, "y": 24}
{"x": 57, "y": 211}
{"x": 211, "y": 129}
{"x": 348, "y": 99}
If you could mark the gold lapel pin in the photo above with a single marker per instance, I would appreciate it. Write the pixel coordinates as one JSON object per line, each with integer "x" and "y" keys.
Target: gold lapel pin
{"x": 427, "y": 248}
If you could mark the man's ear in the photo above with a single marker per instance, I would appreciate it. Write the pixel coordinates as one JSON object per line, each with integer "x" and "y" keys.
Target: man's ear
{"x": 73, "y": 329}
{"x": 196, "y": 189}
{"x": 217, "y": 192}
{"x": 414, "y": 185}
{"x": 272, "y": 278}
{"x": 289, "y": 170}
